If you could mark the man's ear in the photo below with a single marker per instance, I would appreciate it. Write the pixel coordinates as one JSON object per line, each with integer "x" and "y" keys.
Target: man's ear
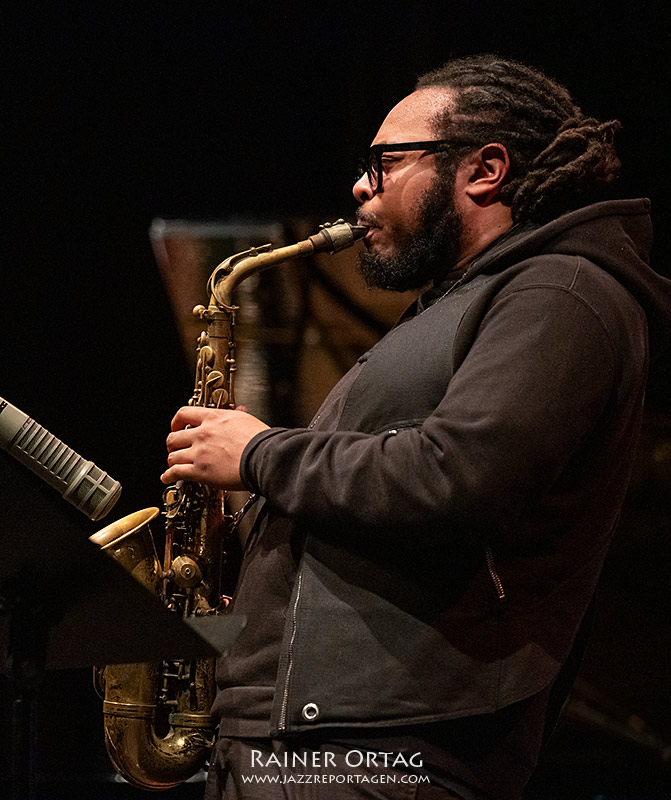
{"x": 488, "y": 169}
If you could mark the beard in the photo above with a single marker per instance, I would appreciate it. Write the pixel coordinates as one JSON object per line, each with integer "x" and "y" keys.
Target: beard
{"x": 422, "y": 255}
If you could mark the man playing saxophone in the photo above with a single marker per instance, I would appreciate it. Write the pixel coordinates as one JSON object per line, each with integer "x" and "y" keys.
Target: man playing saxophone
{"x": 419, "y": 577}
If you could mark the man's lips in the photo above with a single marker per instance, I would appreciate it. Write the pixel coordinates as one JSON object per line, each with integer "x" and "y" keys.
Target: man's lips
{"x": 368, "y": 238}
{"x": 370, "y": 223}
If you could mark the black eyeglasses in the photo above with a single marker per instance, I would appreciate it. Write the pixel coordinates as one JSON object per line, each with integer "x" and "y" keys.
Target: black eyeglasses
{"x": 371, "y": 165}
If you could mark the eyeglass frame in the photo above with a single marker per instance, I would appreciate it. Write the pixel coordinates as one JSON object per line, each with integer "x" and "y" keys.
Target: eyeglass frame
{"x": 376, "y": 151}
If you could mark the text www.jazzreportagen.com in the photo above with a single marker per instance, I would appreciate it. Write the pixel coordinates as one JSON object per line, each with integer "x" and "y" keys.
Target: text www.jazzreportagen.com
{"x": 307, "y": 778}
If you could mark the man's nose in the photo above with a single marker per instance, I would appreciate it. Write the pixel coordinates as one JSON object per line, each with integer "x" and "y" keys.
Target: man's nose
{"x": 361, "y": 189}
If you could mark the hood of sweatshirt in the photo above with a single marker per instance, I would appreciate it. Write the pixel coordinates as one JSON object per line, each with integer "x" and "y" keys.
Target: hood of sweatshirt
{"x": 616, "y": 235}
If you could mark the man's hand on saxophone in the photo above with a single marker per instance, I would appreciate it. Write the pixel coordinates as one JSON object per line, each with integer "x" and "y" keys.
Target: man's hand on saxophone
{"x": 206, "y": 445}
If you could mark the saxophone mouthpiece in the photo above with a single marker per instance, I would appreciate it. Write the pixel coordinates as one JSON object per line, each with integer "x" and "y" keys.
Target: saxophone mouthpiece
{"x": 359, "y": 231}
{"x": 334, "y": 236}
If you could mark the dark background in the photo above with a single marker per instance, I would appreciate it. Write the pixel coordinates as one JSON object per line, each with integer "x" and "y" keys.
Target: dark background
{"x": 114, "y": 114}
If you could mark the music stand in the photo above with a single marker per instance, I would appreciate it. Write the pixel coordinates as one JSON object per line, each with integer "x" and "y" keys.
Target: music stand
{"x": 65, "y": 604}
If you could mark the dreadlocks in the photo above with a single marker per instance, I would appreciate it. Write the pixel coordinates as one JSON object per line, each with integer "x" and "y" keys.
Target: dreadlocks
{"x": 560, "y": 159}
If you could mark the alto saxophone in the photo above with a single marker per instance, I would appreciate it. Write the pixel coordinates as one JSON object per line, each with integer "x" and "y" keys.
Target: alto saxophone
{"x": 158, "y": 727}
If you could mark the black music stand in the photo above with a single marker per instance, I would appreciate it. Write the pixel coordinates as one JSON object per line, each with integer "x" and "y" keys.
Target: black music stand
{"x": 65, "y": 604}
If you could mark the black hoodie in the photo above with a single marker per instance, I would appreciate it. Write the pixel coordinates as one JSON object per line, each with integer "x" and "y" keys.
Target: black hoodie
{"x": 429, "y": 545}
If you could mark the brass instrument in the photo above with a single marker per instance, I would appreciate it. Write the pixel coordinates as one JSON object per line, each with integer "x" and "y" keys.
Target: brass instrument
{"x": 158, "y": 728}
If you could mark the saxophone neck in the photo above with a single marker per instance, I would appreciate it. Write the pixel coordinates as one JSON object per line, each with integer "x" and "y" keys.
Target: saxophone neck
{"x": 231, "y": 272}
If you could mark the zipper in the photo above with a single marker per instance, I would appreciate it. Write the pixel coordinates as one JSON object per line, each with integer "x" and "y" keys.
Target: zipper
{"x": 394, "y": 428}
{"x": 494, "y": 575}
{"x": 285, "y": 696}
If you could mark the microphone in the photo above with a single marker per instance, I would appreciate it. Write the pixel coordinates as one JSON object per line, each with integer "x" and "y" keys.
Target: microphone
{"x": 80, "y": 482}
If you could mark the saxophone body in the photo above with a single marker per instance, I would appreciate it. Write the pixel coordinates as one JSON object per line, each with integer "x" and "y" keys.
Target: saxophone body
{"x": 157, "y": 722}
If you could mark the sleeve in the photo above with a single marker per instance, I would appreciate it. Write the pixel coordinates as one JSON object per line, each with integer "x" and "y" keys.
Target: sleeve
{"x": 534, "y": 383}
